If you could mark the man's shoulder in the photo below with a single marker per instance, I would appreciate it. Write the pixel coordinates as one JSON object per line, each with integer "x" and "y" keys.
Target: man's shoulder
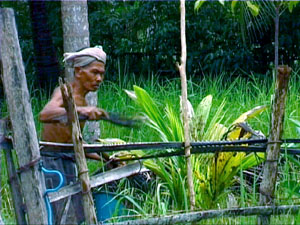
{"x": 56, "y": 95}
{"x": 56, "y": 91}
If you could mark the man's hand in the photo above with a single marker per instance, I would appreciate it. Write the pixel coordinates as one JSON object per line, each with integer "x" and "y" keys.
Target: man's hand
{"x": 92, "y": 112}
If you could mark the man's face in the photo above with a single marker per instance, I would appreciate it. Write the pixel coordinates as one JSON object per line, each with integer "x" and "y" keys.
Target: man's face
{"x": 91, "y": 76}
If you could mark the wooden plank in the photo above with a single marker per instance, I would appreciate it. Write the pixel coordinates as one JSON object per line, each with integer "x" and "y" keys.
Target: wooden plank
{"x": 186, "y": 218}
{"x": 267, "y": 186}
{"x": 24, "y": 132}
{"x": 99, "y": 179}
{"x": 88, "y": 203}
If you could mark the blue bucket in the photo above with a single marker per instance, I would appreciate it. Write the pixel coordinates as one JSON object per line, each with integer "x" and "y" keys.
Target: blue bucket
{"x": 107, "y": 206}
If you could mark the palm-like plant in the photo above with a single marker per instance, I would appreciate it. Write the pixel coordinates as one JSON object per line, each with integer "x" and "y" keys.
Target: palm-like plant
{"x": 213, "y": 173}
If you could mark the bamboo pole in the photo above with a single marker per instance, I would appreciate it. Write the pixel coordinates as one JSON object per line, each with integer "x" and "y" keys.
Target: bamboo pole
{"x": 267, "y": 186}
{"x": 182, "y": 71}
{"x": 24, "y": 133}
{"x": 186, "y": 218}
{"x": 88, "y": 203}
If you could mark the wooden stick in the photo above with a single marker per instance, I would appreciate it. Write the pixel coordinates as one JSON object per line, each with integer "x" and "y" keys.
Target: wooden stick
{"x": 267, "y": 185}
{"x": 24, "y": 132}
{"x": 99, "y": 179}
{"x": 88, "y": 203}
{"x": 186, "y": 218}
{"x": 182, "y": 70}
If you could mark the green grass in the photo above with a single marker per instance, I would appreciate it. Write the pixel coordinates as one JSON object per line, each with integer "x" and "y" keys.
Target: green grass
{"x": 240, "y": 94}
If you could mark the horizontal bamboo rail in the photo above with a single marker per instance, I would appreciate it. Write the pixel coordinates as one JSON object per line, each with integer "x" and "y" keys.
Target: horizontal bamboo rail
{"x": 186, "y": 218}
{"x": 219, "y": 145}
{"x": 99, "y": 179}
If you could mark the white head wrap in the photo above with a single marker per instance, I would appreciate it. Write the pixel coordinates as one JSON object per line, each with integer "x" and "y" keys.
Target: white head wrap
{"x": 84, "y": 57}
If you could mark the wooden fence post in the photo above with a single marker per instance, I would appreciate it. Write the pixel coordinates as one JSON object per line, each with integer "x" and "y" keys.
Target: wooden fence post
{"x": 267, "y": 186}
{"x": 88, "y": 203}
{"x": 16, "y": 193}
{"x": 24, "y": 134}
{"x": 13, "y": 178}
{"x": 187, "y": 142}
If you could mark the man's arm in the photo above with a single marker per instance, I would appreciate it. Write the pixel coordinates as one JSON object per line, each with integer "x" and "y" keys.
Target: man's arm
{"x": 54, "y": 108}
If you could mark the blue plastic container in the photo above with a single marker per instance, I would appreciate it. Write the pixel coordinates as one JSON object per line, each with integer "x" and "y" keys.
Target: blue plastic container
{"x": 107, "y": 206}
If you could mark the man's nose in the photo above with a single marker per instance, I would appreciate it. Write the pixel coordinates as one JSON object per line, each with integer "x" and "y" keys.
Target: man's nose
{"x": 99, "y": 78}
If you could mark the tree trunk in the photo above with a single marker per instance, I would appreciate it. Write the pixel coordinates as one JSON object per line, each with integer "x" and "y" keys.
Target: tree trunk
{"x": 267, "y": 186}
{"x": 76, "y": 36}
{"x": 47, "y": 66}
{"x": 182, "y": 70}
{"x": 24, "y": 132}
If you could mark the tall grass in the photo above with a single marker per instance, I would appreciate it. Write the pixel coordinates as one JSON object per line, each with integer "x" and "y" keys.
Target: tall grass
{"x": 240, "y": 93}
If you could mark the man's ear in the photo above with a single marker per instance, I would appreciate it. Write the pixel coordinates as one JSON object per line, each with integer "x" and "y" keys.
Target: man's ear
{"x": 77, "y": 71}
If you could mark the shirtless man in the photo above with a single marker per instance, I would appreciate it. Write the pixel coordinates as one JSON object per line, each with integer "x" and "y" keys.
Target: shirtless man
{"x": 89, "y": 70}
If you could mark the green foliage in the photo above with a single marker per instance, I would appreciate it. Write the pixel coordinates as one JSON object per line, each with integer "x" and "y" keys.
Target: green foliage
{"x": 216, "y": 174}
{"x": 292, "y": 5}
{"x": 143, "y": 36}
{"x": 213, "y": 172}
{"x": 168, "y": 125}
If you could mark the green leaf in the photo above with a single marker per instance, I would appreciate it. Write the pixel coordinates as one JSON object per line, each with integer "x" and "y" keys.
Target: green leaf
{"x": 293, "y": 187}
{"x": 252, "y": 159}
{"x": 292, "y": 5}
{"x": 293, "y": 160}
{"x": 233, "y": 5}
{"x": 175, "y": 124}
{"x": 296, "y": 122}
{"x": 198, "y": 4}
{"x": 131, "y": 94}
{"x": 200, "y": 118}
{"x": 254, "y": 9}
{"x": 214, "y": 128}
{"x": 250, "y": 114}
{"x": 222, "y": 2}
